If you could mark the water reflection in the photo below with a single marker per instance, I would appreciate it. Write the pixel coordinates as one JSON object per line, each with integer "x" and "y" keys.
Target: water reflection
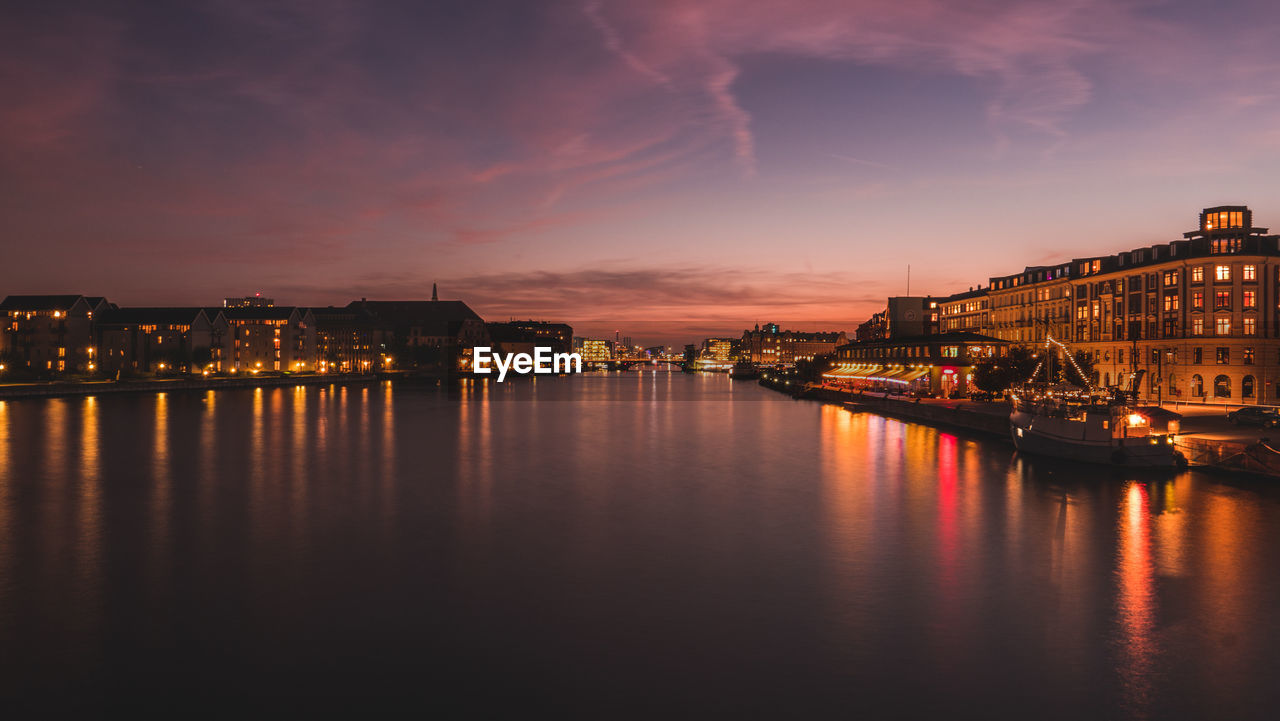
{"x": 1136, "y": 601}
{"x": 661, "y": 537}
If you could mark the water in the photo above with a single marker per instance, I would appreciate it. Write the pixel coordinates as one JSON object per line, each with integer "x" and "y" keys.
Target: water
{"x": 625, "y": 545}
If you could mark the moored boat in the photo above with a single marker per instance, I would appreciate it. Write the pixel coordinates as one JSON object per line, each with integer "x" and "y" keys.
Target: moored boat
{"x": 1096, "y": 432}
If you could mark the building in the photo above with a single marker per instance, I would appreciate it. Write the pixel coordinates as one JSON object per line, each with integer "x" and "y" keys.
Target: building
{"x": 532, "y": 333}
{"x": 1194, "y": 319}
{"x": 721, "y": 350}
{"x": 967, "y": 312}
{"x": 49, "y": 333}
{"x": 266, "y": 338}
{"x": 938, "y": 364}
{"x": 156, "y": 340}
{"x": 249, "y": 301}
{"x": 874, "y": 328}
{"x": 773, "y": 346}
{"x": 596, "y": 350}
{"x": 1029, "y": 306}
{"x": 421, "y": 333}
{"x": 348, "y": 340}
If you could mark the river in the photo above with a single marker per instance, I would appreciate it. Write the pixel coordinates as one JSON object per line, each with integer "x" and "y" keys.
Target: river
{"x": 636, "y": 544}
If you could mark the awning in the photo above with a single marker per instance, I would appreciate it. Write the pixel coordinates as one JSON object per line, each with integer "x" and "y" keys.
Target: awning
{"x": 914, "y": 373}
{"x": 848, "y": 371}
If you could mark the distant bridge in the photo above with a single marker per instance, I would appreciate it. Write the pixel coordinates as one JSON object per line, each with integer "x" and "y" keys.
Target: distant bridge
{"x": 625, "y": 363}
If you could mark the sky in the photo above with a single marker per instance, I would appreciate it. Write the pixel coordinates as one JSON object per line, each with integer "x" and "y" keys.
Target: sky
{"x": 669, "y": 170}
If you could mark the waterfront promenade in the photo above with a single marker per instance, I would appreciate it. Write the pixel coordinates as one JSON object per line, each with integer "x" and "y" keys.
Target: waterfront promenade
{"x": 1208, "y": 439}
{"x": 56, "y": 389}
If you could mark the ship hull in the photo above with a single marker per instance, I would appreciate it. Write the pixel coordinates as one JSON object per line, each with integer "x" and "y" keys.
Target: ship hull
{"x": 1057, "y": 438}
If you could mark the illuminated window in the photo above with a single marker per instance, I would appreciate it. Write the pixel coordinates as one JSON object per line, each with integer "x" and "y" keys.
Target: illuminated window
{"x": 1222, "y": 326}
{"x": 1222, "y": 272}
{"x": 1250, "y": 299}
{"x": 1222, "y": 300}
{"x": 1170, "y": 303}
{"x": 1171, "y": 277}
{"x": 1249, "y": 272}
{"x": 1248, "y": 356}
{"x": 1224, "y": 355}
{"x": 62, "y": 352}
{"x": 1197, "y": 326}
{"x": 1250, "y": 326}
{"x": 1197, "y": 300}
{"x": 1197, "y": 274}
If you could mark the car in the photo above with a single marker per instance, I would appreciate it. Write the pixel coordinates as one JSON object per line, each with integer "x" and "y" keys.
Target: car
{"x": 1254, "y": 416}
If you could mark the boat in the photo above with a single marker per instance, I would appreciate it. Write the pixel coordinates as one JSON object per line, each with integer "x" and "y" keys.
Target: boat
{"x": 1107, "y": 433}
{"x": 743, "y": 371}
{"x": 1084, "y": 424}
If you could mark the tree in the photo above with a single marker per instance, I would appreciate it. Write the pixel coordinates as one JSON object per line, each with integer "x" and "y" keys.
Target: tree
{"x": 812, "y": 370}
{"x": 998, "y": 374}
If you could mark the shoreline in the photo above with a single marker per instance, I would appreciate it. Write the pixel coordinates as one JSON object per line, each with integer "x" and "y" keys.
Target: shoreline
{"x": 1232, "y": 458}
{"x": 94, "y": 388}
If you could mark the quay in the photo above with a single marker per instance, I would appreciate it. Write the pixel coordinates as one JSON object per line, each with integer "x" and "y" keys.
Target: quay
{"x": 1208, "y": 440}
{"x": 93, "y": 388}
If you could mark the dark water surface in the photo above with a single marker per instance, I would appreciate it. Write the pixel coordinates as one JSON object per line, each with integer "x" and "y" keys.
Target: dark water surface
{"x": 631, "y": 544}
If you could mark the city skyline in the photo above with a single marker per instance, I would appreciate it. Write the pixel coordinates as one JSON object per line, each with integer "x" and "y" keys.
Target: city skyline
{"x": 678, "y": 172}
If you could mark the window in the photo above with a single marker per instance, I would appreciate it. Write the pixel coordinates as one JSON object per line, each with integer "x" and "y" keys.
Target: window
{"x": 1171, "y": 277}
{"x": 950, "y": 351}
{"x": 1222, "y": 387}
{"x": 1250, "y": 326}
{"x": 1197, "y": 300}
{"x": 1197, "y": 326}
{"x": 1222, "y": 300}
{"x": 1250, "y": 299}
{"x": 1249, "y": 272}
{"x": 1197, "y": 356}
{"x": 1222, "y": 272}
{"x": 1155, "y": 355}
{"x": 1170, "y": 303}
{"x": 1120, "y": 356}
{"x": 1246, "y": 387}
{"x": 1197, "y": 386}
{"x": 1248, "y": 356}
{"x": 1222, "y": 326}
{"x": 1224, "y": 355}
{"x": 1197, "y": 274}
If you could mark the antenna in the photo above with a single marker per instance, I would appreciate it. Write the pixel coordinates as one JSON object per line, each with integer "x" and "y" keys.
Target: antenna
{"x": 908, "y": 280}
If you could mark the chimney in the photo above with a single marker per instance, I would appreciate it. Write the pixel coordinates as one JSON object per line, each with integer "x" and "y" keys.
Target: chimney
{"x": 434, "y": 295}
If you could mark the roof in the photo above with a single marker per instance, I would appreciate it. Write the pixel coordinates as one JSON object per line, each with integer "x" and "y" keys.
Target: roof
{"x": 39, "y": 302}
{"x": 283, "y": 312}
{"x": 960, "y": 336}
{"x": 149, "y": 316}
{"x": 434, "y": 316}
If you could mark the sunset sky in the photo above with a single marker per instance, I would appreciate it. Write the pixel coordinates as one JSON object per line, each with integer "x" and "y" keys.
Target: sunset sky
{"x": 669, "y": 169}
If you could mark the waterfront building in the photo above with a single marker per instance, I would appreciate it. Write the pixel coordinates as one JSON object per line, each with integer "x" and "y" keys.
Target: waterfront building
{"x": 720, "y": 349}
{"x": 1195, "y": 319}
{"x": 348, "y": 340}
{"x": 428, "y": 331}
{"x": 150, "y": 340}
{"x": 528, "y": 334}
{"x": 969, "y": 311}
{"x": 266, "y": 338}
{"x": 903, "y": 316}
{"x": 1029, "y": 306}
{"x": 937, "y": 364}
{"x": 596, "y": 350}
{"x": 49, "y": 333}
{"x": 771, "y": 345}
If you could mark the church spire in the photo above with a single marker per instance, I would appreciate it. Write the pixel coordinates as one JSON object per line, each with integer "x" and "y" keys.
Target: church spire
{"x": 434, "y": 295}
